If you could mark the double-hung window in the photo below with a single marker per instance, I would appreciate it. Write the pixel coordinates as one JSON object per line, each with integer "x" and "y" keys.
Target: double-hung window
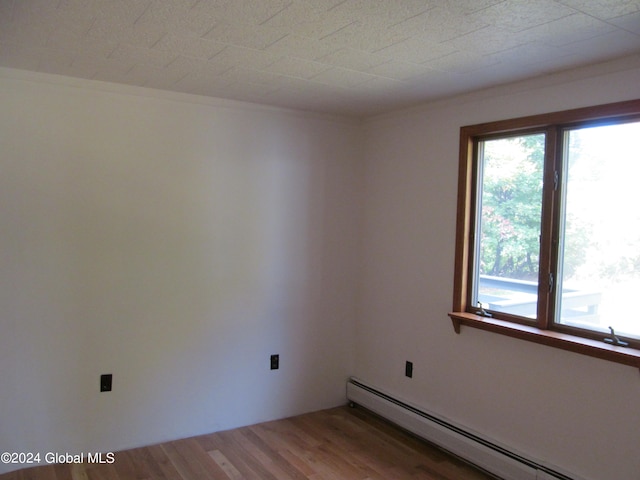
{"x": 548, "y": 231}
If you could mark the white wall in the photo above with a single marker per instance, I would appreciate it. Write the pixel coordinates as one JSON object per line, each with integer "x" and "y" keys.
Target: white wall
{"x": 175, "y": 242}
{"x": 576, "y": 412}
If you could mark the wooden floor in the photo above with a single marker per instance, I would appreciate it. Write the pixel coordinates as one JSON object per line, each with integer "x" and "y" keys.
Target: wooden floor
{"x": 337, "y": 444}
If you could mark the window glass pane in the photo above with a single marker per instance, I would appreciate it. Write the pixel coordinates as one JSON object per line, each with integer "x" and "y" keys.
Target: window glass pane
{"x": 599, "y": 264}
{"x": 508, "y": 230}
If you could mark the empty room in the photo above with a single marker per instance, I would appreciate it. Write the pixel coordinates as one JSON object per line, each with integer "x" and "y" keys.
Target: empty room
{"x": 332, "y": 239}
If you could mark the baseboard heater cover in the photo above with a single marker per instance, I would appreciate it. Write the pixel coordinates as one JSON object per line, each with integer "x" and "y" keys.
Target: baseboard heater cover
{"x": 485, "y": 454}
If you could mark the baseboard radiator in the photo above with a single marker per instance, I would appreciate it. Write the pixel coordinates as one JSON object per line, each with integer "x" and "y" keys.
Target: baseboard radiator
{"x": 485, "y": 454}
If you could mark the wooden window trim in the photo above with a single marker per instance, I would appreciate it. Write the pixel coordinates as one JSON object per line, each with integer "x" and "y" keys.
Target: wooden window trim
{"x": 551, "y": 338}
{"x": 461, "y": 312}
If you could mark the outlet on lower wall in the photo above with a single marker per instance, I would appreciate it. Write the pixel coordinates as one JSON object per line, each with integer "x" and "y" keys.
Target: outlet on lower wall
{"x": 106, "y": 381}
{"x": 408, "y": 369}
{"x": 275, "y": 362}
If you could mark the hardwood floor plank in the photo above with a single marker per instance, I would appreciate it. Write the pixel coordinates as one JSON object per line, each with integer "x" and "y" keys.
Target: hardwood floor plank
{"x": 127, "y": 468}
{"x": 335, "y": 444}
{"x": 78, "y": 471}
{"x": 192, "y": 462}
{"x": 243, "y": 457}
{"x": 288, "y": 446}
{"x": 193, "y": 452}
{"x": 42, "y": 472}
{"x": 366, "y": 449}
{"x": 138, "y": 463}
{"x": 102, "y": 472}
{"x": 179, "y": 463}
{"x": 270, "y": 458}
{"x": 223, "y": 462}
{"x": 63, "y": 472}
{"x": 142, "y": 467}
{"x": 234, "y": 455}
{"x": 158, "y": 456}
{"x": 324, "y": 459}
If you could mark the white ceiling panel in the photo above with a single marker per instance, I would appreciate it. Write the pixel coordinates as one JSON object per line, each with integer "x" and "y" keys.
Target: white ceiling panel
{"x": 518, "y": 15}
{"x": 363, "y": 36}
{"x": 440, "y": 24}
{"x": 630, "y": 22}
{"x": 153, "y": 77}
{"x": 566, "y": 30}
{"x": 604, "y": 46}
{"x": 250, "y": 12}
{"x": 178, "y": 18}
{"x": 487, "y": 41}
{"x": 354, "y": 59}
{"x": 255, "y": 36}
{"x": 110, "y": 30}
{"x": 350, "y": 57}
{"x": 342, "y": 77}
{"x": 234, "y": 55}
{"x": 397, "y": 70}
{"x": 142, "y": 56}
{"x": 604, "y": 9}
{"x": 21, "y": 57}
{"x": 193, "y": 47}
{"x": 463, "y": 62}
{"x": 301, "y": 47}
{"x": 297, "y": 67}
{"x": 381, "y": 14}
{"x": 418, "y": 49}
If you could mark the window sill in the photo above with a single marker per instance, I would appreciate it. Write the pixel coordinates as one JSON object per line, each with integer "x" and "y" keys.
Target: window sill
{"x": 584, "y": 346}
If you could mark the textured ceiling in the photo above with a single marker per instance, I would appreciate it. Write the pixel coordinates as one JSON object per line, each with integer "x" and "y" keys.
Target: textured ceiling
{"x": 354, "y": 57}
